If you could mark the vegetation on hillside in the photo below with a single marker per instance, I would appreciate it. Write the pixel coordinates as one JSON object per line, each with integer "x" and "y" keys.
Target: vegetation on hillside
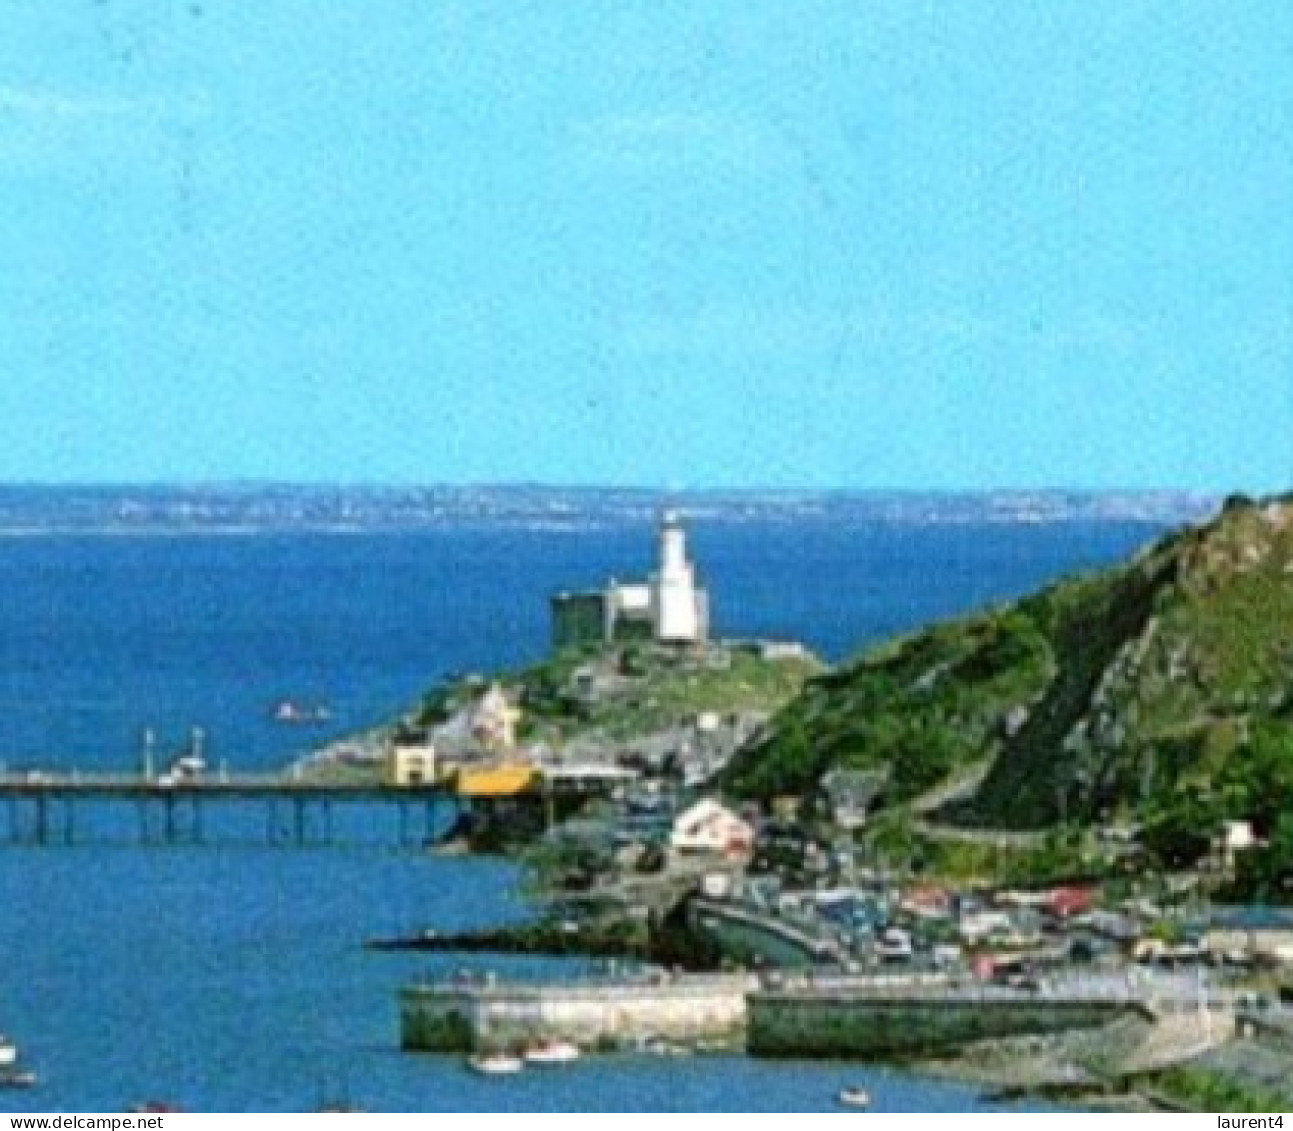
{"x": 1201, "y": 1089}
{"x": 1159, "y": 692}
{"x": 633, "y": 691}
{"x": 923, "y": 705}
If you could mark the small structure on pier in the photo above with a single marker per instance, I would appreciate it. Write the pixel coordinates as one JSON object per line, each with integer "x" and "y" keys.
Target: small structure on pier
{"x": 409, "y": 765}
{"x": 496, "y": 781}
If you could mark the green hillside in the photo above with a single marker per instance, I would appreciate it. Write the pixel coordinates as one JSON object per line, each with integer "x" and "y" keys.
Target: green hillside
{"x": 619, "y": 694}
{"x": 1159, "y": 691}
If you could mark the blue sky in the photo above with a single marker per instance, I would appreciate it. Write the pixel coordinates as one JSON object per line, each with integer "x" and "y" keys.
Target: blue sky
{"x": 891, "y": 243}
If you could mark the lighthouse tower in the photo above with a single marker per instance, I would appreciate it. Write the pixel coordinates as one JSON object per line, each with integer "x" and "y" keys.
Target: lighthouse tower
{"x": 677, "y": 605}
{"x": 668, "y": 607}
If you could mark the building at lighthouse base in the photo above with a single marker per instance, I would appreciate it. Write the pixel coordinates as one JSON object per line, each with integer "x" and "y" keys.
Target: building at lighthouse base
{"x": 670, "y": 607}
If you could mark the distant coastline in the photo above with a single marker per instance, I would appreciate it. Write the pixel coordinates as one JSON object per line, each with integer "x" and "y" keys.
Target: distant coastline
{"x": 246, "y": 510}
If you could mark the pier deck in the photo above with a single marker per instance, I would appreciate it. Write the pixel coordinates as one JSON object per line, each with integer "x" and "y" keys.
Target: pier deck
{"x": 35, "y": 784}
{"x": 49, "y": 809}
{"x": 43, "y": 807}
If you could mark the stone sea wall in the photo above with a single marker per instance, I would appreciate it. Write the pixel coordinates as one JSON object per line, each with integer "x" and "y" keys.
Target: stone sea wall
{"x": 487, "y": 1018}
{"x": 856, "y": 1018}
{"x": 798, "y": 1024}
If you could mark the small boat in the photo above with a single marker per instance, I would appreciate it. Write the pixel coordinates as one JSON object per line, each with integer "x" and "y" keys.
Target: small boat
{"x": 156, "y": 1107}
{"x": 8, "y": 1052}
{"x": 18, "y": 1078}
{"x": 552, "y": 1053}
{"x": 855, "y": 1097}
{"x": 658, "y": 1046}
{"x": 300, "y": 714}
{"x": 496, "y": 1064}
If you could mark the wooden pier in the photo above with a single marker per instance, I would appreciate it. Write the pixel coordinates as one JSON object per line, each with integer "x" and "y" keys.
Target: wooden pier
{"x": 47, "y": 809}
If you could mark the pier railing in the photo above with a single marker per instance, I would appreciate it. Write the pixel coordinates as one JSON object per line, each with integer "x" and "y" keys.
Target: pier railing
{"x": 36, "y": 782}
{"x": 50, "y": 809}
{"x": 1156, "y": 995}
{"x": 586, "y": 988}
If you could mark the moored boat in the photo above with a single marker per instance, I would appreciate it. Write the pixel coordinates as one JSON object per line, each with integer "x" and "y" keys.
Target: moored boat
{"x": 552, "y": 1053}
{"x": 658, "y": 1046}
{"x": 855, "y": 1097}
{"x": 18, "y": 1078}
{"x": 8, "y": 1052}
{"x": 496, "y": 1064}
{"x": 300, "y": 714}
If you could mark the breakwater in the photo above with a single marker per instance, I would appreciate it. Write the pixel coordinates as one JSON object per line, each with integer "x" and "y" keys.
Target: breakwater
{"x": 490, "y": 1016}
{"x": 875, "y": 1018}
{"x": 889, "y": 1019}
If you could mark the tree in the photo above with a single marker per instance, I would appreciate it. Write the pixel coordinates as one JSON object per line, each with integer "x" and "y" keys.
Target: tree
{"x": 1184, "y": 830}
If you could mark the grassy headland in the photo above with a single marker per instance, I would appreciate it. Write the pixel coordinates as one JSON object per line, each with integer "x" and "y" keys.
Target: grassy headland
{"x": 621, "y": 693}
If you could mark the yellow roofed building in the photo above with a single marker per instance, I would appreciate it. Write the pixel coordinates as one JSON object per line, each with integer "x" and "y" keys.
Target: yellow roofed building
{"x": 496, "y": 781}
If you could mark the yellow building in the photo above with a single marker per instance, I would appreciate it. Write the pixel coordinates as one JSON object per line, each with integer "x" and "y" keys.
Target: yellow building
{"x": 496, "y": 781}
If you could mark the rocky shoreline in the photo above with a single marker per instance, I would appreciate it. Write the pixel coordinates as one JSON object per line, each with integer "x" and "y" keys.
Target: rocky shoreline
{"x": 1066, "y": 1068}
{"x": 1039, "y": 1068}
{"x": 669, "y": 942}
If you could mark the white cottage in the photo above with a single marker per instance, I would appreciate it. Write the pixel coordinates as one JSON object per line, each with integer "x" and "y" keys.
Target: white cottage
{"x": 710, "y": 829}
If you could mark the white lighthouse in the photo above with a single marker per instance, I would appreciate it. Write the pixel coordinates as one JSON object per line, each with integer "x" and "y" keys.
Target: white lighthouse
{"x": 669, "y": 607}
{"x": 678, "y": 607}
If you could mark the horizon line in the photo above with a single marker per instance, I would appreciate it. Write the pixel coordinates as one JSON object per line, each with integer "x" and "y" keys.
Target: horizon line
{"x": 257, "y": 483}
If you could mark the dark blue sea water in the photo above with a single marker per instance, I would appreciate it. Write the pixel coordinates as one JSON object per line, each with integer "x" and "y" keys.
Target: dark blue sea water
{"x": 100, "y": 637}
{"x": 232, "y": 978}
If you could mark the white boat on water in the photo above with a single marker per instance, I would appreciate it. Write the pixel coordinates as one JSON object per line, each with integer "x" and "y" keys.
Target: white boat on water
{"x": 496, "y": 1064}
{"x": 855, "y": 1097}
{"x": 552, "y": 1053}
{"x": 301, "y": 714}
{"x": 658, "y": 1046}
{"x": 17, "y": 1078}
{"x": 8, "y": 1052}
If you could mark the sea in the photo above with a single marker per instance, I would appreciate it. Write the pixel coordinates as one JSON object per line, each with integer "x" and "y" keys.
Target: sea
{"x": 231, "y": 975}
